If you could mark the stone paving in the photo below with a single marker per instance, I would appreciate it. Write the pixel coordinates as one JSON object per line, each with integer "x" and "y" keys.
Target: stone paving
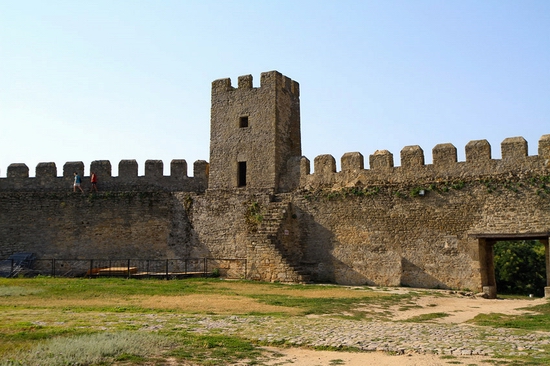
{"x": 395, "y": 337}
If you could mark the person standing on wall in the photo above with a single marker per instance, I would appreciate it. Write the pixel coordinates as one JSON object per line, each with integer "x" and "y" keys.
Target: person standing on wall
{"x": 93, "y": 180}
{"x": 77, "y": 182}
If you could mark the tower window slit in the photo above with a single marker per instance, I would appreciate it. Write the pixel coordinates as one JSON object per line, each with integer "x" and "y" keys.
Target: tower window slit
{"x": 241, "y": 174}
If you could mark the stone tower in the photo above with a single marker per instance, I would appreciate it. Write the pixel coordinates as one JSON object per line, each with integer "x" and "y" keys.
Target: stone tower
{"x": 255, "y": 138}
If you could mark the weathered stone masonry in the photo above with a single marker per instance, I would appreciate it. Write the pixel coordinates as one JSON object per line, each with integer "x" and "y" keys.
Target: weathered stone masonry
{"x": 424, "y": 225}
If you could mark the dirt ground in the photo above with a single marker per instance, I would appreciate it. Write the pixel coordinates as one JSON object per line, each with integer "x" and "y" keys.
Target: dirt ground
{"x": 302, "y": 357}
{"x": 460, "y": 309}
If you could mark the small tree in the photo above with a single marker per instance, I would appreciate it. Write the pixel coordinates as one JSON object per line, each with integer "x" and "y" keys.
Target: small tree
{"x": 520, "y": 267}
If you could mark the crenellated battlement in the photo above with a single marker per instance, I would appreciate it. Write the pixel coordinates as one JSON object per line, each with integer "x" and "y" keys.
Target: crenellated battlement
{"x": 46, "y": 177}
{"x": 271, "y": 80}
{"x": 479, "y": 164}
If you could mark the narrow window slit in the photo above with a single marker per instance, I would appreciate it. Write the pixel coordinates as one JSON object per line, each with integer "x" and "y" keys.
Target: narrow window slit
{"x": 243, "y": 122}
{"x": 241, "y": 175}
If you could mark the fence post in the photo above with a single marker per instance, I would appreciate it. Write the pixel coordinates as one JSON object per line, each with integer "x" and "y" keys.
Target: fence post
{"x": 128, "y": 268}
{"x": 167, "y": 269}
{"x": 91, "y": 268}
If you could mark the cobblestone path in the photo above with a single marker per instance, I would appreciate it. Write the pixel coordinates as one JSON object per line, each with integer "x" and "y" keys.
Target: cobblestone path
{"x": 397, "y": 337}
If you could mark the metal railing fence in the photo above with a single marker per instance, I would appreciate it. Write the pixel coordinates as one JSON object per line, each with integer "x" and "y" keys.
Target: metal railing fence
{"x": 130, "y": 268}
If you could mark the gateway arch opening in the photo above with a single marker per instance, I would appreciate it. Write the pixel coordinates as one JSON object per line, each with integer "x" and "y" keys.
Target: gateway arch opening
{"x": 491, "y": 243}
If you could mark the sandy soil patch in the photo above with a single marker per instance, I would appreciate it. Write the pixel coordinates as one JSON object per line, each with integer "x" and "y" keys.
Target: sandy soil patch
{"x": 463, "y": 308}
{"x": 306, "y": 357}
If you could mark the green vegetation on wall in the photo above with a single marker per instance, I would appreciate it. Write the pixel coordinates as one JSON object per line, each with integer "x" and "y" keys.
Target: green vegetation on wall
{"x": 254, "y": 216}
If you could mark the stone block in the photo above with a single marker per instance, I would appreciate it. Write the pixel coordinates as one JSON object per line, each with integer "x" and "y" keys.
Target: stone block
{"x": 128, "y": 169}
{"x": 544, "y": 146}
{"x": 478, "y": 151}
{"x": 221, "y": 86}
{"x": 324, "y": 164}
{"x": 490, "y": 291}
{"x": 102, "y": 168}
{"x": 72, "y": 167}
{"x": 245, "y": 82}
{"x": 201, "y": 169}
{"x": 46, "y": 170}
{"x": 352, "y": 161}
{"x": 444, "y": 155}
{"x": 305, "y": 166}
{"x": 513, "y": 148}
{"x": 178, "y": 168}
{"x": 18, "y": 171}
{"x": 154, "y": 168}
{"x": 381, "y": 159}
{"x": 412, "y": 156}
{"x": 270, "y": 79}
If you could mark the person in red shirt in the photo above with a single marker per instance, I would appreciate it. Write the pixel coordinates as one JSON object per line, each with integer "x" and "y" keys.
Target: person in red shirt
{"x": 93, "y": 180}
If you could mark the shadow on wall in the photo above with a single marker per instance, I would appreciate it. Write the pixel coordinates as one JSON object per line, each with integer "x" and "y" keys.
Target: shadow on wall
{"x": 316, "y": 243}
{"x": 414, "y": 276}
{"x": 319, "y": 261}
{"x": 183, "y": 237}
{"x": 329, "y": 260}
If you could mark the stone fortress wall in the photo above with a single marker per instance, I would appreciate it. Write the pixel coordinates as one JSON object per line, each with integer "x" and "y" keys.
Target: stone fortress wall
{"x": 131, "y": 217}
{"x": 429, "y": 226}
{"x": 423, "y": 225}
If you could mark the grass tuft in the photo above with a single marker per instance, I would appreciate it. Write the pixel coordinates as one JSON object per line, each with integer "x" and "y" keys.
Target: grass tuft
{"x": 91, "y": 349}
{"x": 214, "y": 349}
{"x": 17, "y": 291}
{"x": 426, "y": 317}
{"x": 532, "y": 322}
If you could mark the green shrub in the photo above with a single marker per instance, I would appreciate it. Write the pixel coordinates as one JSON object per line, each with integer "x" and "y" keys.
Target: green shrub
{"x": 216, "y": 272}
{"x": 520, "y": 267}
{"x": 254, "y": 216}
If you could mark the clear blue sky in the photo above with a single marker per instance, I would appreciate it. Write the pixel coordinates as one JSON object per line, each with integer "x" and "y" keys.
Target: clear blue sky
{"x": 112, "y": 80}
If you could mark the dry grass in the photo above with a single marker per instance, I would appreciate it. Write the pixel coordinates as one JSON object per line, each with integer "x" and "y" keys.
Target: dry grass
{"x": 248, "y": 288}
{"x": 193, "y": 303}
{"x": 218, "y": 304}
{"x": 225, "y": 297}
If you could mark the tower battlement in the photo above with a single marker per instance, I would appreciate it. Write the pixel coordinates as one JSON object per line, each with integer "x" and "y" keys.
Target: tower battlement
{"x": 268, "y": 80}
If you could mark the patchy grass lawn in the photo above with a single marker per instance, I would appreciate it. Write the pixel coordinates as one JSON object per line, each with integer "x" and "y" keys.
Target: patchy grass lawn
{"x": 106, "y": 321}
{"x": 212, "y": 296}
